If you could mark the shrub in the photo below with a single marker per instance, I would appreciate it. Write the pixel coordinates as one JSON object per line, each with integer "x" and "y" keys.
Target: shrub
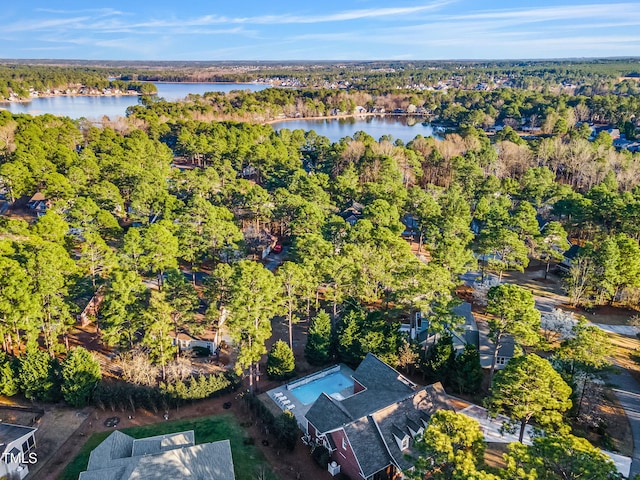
{"x": 203, "y": 386}
{"x": 322, "y": 456}
{"x": 201, "y": 351}
{"x": 80, "y": 375}
{"x": 8, "y": 378}
{"x": 318, "y": 348}
{"x": 286, "y": 430}
{"x": 466, "y": 376}
{"x": 38, "y": 376}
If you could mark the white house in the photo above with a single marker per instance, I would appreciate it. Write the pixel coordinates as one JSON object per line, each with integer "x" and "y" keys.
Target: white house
{"x": 186, "y": 342}
{"x": 16, "y": 448}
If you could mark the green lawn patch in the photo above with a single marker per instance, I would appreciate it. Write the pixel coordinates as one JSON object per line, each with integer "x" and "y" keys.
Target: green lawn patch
{"x": 247, "y": 459}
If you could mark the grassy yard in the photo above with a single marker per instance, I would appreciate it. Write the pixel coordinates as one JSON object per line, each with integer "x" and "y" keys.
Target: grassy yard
{"x": 247, "y": 459}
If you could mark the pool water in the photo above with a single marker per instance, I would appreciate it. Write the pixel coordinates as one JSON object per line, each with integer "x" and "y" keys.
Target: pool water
{"x": 330, "y": 384}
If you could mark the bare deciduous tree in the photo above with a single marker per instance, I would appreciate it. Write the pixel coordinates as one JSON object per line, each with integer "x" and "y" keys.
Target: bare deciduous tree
{"x": 480, "y": 289}
{"x": 179, "y": 370}
{"x": 137, "y": 368}
{"x": 578, "y": 282}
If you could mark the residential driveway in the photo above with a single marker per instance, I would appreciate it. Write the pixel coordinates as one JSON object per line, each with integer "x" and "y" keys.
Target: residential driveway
{"x": 627, "y": 330}
{"x": 628, "y": 392}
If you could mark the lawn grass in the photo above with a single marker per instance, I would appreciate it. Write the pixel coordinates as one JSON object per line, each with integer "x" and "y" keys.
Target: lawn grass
{"x": 247, "y": 459}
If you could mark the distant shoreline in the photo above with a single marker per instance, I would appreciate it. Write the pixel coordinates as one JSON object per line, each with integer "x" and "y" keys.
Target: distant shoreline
{"x": 52, "y": 95}
{"x": 347, "y": 115}
{"x": 132, "y": 94}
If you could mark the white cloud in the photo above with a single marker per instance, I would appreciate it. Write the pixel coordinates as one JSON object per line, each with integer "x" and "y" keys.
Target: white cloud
{"x": 37, "y": 25}
{"x": 89, "y": 23}
{"x": 93, "y": 11}
{"x": 564, "y": 12}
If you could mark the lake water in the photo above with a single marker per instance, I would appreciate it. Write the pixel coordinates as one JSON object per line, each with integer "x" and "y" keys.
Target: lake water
{"x": 397, "y": 127}
{"x": 94, "y": 108}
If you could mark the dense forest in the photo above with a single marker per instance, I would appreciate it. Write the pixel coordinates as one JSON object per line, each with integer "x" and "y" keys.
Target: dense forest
{"x": 136, "y": 208}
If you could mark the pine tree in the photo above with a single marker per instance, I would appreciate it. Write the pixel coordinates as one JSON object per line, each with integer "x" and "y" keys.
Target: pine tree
{"x": 80, "y": 374}
{"x": 37, "y": 374}
{"x": 466, "y": 375}
{"x": 451, "y": 448}
{"x": 280, "y": 361}
{"x": 440, "y": 358}
{"x": 318, "y": 348}
{"x": 529, "y": 389}
{"x": 8, "y": 380}
{"x": 514, "y": 313}
{"x": 561, "y": 457}
{"x": 156, "y": 330}
{"x": 252, "y": 300}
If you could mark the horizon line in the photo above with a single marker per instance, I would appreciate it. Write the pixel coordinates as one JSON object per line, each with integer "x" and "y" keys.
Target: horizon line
{"x": 300, "y": 61}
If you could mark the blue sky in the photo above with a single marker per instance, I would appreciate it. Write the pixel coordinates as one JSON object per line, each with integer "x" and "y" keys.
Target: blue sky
{"x": 319, "y": 30}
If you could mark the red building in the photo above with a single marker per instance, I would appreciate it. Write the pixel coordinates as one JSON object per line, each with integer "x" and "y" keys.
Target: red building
{"x": 370, "y": 433}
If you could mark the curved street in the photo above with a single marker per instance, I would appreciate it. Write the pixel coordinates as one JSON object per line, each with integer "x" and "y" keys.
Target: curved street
{"x": 625, "y": 387}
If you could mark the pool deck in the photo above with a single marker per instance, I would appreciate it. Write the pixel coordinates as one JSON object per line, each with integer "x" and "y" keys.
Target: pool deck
{"x": 286, "y": 400}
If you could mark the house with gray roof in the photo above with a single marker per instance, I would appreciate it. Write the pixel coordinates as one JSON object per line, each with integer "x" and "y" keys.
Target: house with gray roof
{"x": 17, "y": 444}
{"x": 467, "y": 332}
{"x": 352, "y": 213}
{"x": 173, "y": 456}
{"x": 506, "y": 350}
{"x": 370, "y": 433}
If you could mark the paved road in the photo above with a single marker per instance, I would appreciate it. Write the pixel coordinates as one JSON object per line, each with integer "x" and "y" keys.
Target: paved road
{"x": 628, "y": 392}
{"x": 627, "y": 388}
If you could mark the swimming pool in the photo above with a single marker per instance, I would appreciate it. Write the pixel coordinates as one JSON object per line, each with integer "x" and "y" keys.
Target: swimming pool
{"x": 329, "y": 384}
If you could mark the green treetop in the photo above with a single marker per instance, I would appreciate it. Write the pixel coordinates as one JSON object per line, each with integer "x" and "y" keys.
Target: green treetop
{"x": 513, "y": 313}
{"x": 530, "y": 389}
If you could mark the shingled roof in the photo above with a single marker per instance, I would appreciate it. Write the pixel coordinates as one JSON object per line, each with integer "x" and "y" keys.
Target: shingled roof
{"x": 376, "y": 419}
{"x": 327, "y": 414}
{"x": 402, "y": 417}
{"x": 121, "y": 457}
{"x": 382, "y": 386}
{"x": 10, "y": 433}
{"x": 367, "y": 445}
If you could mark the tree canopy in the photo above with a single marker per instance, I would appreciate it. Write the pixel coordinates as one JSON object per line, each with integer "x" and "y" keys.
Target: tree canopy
{"x": 529, "y": 389}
